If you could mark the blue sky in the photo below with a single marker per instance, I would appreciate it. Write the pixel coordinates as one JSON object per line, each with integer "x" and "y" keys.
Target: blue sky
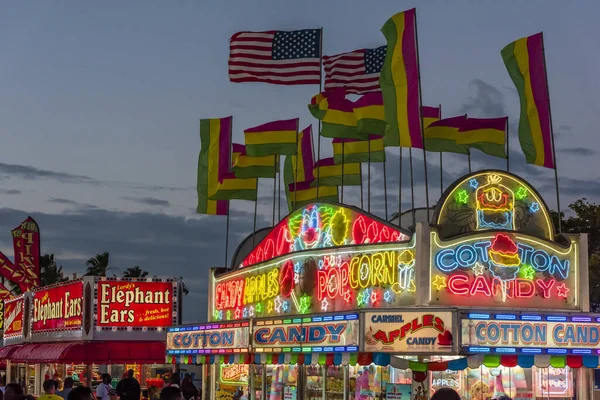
{"x": 99, "y": 109}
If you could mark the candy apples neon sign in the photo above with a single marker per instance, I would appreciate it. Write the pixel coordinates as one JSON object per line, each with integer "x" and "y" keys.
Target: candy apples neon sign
{"x": 319, "y": 226}
{"x": 341, "y": 279}
{"x": 503, "y": 269}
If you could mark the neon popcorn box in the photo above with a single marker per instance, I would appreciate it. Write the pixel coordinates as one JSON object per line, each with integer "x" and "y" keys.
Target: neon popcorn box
{"x": 495, "y": 205}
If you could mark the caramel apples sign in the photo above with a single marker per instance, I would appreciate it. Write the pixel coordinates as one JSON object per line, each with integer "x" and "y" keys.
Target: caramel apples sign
{"x": 135, "y": 304}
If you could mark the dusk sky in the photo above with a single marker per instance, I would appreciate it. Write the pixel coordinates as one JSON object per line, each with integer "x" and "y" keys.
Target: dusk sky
{"x": 100, "y": 102}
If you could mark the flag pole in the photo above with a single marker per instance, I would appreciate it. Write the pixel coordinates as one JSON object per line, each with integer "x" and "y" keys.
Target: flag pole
{"x": 255, "y": 210}
{"x": 369, "y": 177}
{"x": 552, "y": 137}
{"x": 400, "y": 185}
{"x": 469, "y": 160}
{"x": 279, "y": 185}
{"x": 227, "y": 234}
{"x": 507, "y": 147}
{"x": 342, "y": 201}
{"x": 274, "y": 184}
{"x": 421, "y": 121}
{"x": 297, "y": 158}
{"x": 441, "y": 157}
{"x": 384, "y": 185}
{"x": 320, "y": 90}
{"x": 412, "y": 188}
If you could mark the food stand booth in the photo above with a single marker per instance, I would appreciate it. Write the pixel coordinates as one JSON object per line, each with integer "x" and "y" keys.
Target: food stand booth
{"x": 335, "y": 303}
{"x": 86, "y": 327}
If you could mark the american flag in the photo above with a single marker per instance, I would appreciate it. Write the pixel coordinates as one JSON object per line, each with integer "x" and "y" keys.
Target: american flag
{"x": 277, "y": 57}
{"x": 358, "y": 71}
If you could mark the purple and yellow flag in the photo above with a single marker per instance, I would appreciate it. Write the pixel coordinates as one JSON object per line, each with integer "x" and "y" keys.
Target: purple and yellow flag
{"x": 369, "y": 113}
{"x": 232, "y": 188}
{"x": 485, "y": 134}
{"x": 442, "y": 135}
{"x": 214, "y": 161}
{"x": 306, "y": 192}
{"x": 359, "y": 151}
{"x": 272, "y": 138}
{"x": 525, "y": 62}
{"x": 430, "y": 114}
{"x": 399, "y": 82}
{"x": 328, "y": 173}
{"x": 245, "y": 166}
{"x": 304, "y": 160}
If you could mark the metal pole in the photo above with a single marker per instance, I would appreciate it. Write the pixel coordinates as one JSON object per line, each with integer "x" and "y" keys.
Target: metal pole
{"x": 342, "y": 201}
{"x": 255, "y": 210}
{"x": 227, "y": 235}
{"x": 469, "y": 160}
{"x": 279, "y": 188}
{"x": 274, "y": 185}
{"x": 369, "y": 178}
{"x": 507, "y": 147}
{"x": 412, "y": 189}
{"x": 552, "y": 136}
{"x": 320, "y": 90}
{"x": 384, "y": 185}
{"x": 421, "y": 121}
{"x": 400, "y": 186}
{"x": 441, "y": 175}
{"x": 298, "y": 151}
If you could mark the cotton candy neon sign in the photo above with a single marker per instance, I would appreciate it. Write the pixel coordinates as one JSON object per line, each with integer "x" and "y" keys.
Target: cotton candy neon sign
{"x": 319, "y": 226}
{"x": 503, "y": 269}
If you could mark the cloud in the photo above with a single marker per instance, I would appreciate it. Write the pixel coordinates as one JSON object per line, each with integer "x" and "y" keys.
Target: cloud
{"x": 150, "y": 201}
{"x": 578, "y": 151}
{"x": 162, "y": 244}
{"x": 486, "y": 101}
{"x": 62, "y": 201}
{"x": 10, "y": 191}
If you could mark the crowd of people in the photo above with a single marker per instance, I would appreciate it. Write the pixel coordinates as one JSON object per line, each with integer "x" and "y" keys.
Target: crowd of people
{"x": 127, "y": 389}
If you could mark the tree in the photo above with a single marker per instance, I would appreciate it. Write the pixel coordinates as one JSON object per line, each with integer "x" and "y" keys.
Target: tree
{"x": 135, "y": 272}
{"x": 50, "y": 272}
{"x": 587, "y": 220}
{"x": 97, "y": 266}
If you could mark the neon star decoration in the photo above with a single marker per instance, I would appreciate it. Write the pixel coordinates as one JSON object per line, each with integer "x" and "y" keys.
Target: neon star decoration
{"x": 373, "y": 297}
{"x": 259, "y": 308}
{"x": 324, "y": 304}
{"x": 473, "y": 183}
{"x": 462, "y": 197}
{"x": 477, "y": 269}
{"x": 251, "y": 311}
{"x": 562, "y": 290}
{"x": 528, "y": 272}
{"x": 286, "y": 306}
{"x": 245, "y": 313}
{"x": 305, "y": 304}
{"x": 534, "y": 207}
{"x": 388, "y": 296}
{"x": 238, "y": 313}
{"x": 228, "y": 315}
{"x": 439, "y": 282}
{"x": 278, "y": 304}
{"x": 521, "y": 193}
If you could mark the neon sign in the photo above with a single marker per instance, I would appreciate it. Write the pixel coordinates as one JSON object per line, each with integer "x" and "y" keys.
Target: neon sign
{"x": 493, "y": 200}
{"x": 339, "y": 333}
{"x": 319, "y": 226}
{"x": 409, "y": 332}
{"x": 208, "y": 338}
{"x": 340, "y": 279}
{"x": 503, "y": 269}
{"x": 236, "y": 374}
{"x": 58, "y": 307}
{"x": 525, "y": 333}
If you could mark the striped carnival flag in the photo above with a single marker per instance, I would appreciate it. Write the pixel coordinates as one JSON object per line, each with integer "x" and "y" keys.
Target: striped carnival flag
{"x": 306, "y": 192}
{"x": 357, "y": 71}
{"x": 357, "y": 151}
{"x": 526, "y": 65}
{"x": 276, "y": 137}
{"x": 304, "y": 160}
{"x": 213, "y": 161}
{"x": 441, "y": 136}
{"x": 399, "y": 82}
{"x": 330, "y": 174}
{"x": 336, "y": 113}
{"x": 485, "y": 134}
{"x": 245, "y": 166}
{"x": 430, "y": 114}
{"x": 232, "y": 188}
{"x": 369, "y": 113}
{"x": 276, "y": 57}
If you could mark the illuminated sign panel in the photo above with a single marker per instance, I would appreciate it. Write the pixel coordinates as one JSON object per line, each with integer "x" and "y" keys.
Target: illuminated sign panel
{"x": 491, "y": 200}
{"x": 234, "y": 374}
{"x": 530, "y": 333}
{"x": 133, "y": 303}
{"x": 209, "y": 338}
{"x": 13, "y": 317}
{"x": 341, "y": 279}
{"x": 409, "y": 332}
{"x": 58, "y": 307}
{"x": 503, "y": 270}
{"x": 316, "y": 334}
{"x": 319, "y": 226}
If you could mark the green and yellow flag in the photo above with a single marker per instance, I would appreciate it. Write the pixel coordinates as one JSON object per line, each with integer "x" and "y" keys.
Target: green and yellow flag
{"x": 306, "y": 192}
{"x": 232, "y": 188}
{"x": 245, "y": 166}
{"x": 213, "y": 161}
{"x": 442, "y": 135}
{"x": 358, "y": 151}
{"x": 272, "y": 138}
{"x": 485, "y": 134}
{"x": 328, "y": 173}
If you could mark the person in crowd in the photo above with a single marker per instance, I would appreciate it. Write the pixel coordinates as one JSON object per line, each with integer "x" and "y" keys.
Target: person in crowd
{"x": 13, "y": 391}
{"x": 49, "y": 386}
{"x": 171, "y": 393}
{"x": 104, "y": 389}
{"x": 154, "y": 392}
{"x": 3, "y": 384}
{"x": 189, "y": 390}
{"x": 175, "y": 380}
{"x": 145, "y": 395}
{"x": 59, "y": 384}
{"x": 479, "y": 391}
{"x": 445, "y": 394}
{"x": 80, "y": 393}
{"x": 67, "y": 387}
{"x": 129, "y": 388}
